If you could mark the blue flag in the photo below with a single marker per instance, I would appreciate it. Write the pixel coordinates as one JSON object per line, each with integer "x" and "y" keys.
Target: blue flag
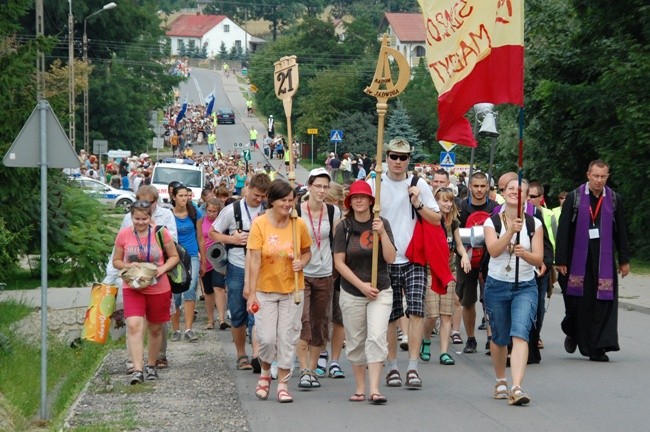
{"x": 181, "y": 113}
{"x": 210, "y": 102}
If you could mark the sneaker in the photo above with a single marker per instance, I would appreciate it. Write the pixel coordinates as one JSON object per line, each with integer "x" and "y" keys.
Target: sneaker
{"x": 137, "y": 377}
{"x": 150, "y": 373}
{"x": 190, "y": 336}
{"x": 404, "y": 344}
{"x": 483, "y": 325}
{"x": 400, "y": 335}
{"x": 470, "y": 346}
{"x": 487, "y": 346}
{"x": 176, "y": 336}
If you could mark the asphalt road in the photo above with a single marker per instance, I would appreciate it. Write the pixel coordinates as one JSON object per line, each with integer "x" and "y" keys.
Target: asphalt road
{"x": 568, "y": 392}
{"x": 230, "y": 94}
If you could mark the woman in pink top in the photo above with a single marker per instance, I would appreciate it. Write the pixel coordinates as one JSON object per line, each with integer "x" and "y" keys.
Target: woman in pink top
{"x": 134, "y": 245}
{"x": 212, "y": 278}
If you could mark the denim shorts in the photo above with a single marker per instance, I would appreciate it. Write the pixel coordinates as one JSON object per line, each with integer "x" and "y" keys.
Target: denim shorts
{"x": 511, "y": 312}
{"x": 190, "y": 294}
{"x": 236, "y": 301}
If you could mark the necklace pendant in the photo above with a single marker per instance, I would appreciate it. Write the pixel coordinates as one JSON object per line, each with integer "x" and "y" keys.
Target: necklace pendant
{"x": 508, "y": 268}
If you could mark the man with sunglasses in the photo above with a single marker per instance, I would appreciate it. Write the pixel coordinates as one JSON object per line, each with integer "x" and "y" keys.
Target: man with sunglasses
{"x": 400, "y": 202}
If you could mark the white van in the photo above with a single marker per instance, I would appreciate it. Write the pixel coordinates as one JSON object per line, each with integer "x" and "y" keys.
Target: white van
{"x": 181, "y": 170}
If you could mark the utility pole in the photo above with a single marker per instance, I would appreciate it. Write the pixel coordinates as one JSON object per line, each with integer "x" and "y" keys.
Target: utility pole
{"x": 40, "y": 57}
{"x": 71, "y": 92}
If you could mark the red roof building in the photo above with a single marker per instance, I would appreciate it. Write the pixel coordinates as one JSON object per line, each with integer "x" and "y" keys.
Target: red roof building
{"x": 407, "y": 34}
{"x": 209, "y": 32}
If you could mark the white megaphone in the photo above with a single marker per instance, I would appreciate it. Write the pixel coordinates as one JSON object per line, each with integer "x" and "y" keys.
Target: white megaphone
{"x": 487, "y": 116}
{"x": 218, "y": 257}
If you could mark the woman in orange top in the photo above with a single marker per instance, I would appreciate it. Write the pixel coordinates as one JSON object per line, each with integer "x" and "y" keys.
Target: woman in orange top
{"x": 270, "y": 286}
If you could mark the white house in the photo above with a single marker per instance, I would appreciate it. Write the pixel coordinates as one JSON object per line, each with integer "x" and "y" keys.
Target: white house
{"x": 407, "y": 35}
{"x": 209, "y": 31}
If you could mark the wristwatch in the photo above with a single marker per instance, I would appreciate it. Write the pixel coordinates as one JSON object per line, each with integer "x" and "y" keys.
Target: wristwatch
{"x": 421, "y": 206}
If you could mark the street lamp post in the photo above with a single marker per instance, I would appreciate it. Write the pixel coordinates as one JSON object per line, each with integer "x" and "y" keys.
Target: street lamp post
{"x": 71, "y": 92}
{"x": 107, "y": 6}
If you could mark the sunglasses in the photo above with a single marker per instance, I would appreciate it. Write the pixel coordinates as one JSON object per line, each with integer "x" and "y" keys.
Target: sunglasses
{"x": 533, "y": 196}
{"x": 394, "y": 156}
{"x": 142, "y": 204}
{"x": 444, "y": 189}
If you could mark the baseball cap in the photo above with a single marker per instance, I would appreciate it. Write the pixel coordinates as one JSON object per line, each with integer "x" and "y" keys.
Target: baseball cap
{"x": 318, "y": 172}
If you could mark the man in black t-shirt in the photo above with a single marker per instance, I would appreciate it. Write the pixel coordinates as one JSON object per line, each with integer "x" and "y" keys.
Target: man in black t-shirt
{"x": 466, "y": 283}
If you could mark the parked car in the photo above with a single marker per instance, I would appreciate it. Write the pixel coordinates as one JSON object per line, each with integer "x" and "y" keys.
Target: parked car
{"x": 225, "y": 115}
{"x": 116, "y": 198}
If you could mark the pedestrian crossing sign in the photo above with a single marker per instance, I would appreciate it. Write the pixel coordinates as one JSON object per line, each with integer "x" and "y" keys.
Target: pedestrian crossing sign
{"x": 336, "y": 135}
{"x": 447, "y": 159}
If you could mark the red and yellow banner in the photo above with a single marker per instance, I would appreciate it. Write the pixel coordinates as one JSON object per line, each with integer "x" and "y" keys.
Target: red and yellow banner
{"x": 475, "y": 54}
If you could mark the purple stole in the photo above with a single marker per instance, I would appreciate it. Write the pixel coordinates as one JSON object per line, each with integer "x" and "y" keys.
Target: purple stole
{"x": 576, "y": 282}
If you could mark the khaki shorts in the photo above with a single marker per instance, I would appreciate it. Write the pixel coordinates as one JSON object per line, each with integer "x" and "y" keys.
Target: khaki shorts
{"x": 435, "y": 304}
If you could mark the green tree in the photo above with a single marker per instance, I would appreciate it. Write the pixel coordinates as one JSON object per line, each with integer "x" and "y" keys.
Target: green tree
{"x": 281, "y": 13}
{"x": 399, "y": 125}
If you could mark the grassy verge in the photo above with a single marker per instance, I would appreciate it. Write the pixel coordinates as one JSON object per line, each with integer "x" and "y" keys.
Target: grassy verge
{"x": 640, "y": 267}
{"x": 68, "y": 370}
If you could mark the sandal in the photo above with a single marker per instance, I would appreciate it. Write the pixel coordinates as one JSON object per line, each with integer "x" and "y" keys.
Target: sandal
{"x": 336, "y": 372}
{"x": 447, "y": 360}
{"x": 284, "y": 396}
{"x": 209, "y": 326}
{"x": 162, "y": 363}
{"x": 243, "y": 363}
{"x": 357, "y": 397}
{"x": 377, "y": 399}
{"x": 518, "y": 397}
{"x": 501, "y": 390}
{"x": 393, "y": 379}
{"x": 305, "y": 379}
{"x": 413, "y": 380}
{"x": 456, "y": 339}
{"x": 224, "y": 326}
{"x": 263, "y": 386}
{"x": 425, "y": 350}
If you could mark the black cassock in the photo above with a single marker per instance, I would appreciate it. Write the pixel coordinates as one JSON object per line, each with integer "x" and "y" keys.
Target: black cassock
{"x": 592, "y": 323}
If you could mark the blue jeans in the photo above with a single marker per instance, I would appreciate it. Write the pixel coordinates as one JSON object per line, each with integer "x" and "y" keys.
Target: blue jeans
{"x": 511, "y": 311}
{"x": 190, "y": 294}
{"x": 236, "y": 301}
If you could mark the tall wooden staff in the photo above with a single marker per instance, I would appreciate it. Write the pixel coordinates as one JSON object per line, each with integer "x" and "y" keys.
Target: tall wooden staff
{"x": 286, "y": 84}
{"x": 383, "y": 88}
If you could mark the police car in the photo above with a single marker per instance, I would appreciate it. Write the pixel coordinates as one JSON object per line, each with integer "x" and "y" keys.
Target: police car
{"x": 182, "y": 170}
{"x": 116, "y": 198}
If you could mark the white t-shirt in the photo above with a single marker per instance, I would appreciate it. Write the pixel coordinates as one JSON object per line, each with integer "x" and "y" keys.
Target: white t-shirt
{"x": 320, "y": 264}
{"x": 396, "y": 208}
{"x": 498, "y": 265}
{"x": 226, "y": 223}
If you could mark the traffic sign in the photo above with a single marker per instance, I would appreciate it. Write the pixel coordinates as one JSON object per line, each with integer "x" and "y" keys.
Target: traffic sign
{"x": 247, "y": 155}
{"x": 448, "y": 146}
{"x": 158, "y": 143}
{"x": 119, "y": 154}
{"x": 26, "y": 151}
{"x": 312, "y": 131}
{"x": 447, "y": 159}
{"x": 100, "y": 146}
{"x": 336, "y": 136}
